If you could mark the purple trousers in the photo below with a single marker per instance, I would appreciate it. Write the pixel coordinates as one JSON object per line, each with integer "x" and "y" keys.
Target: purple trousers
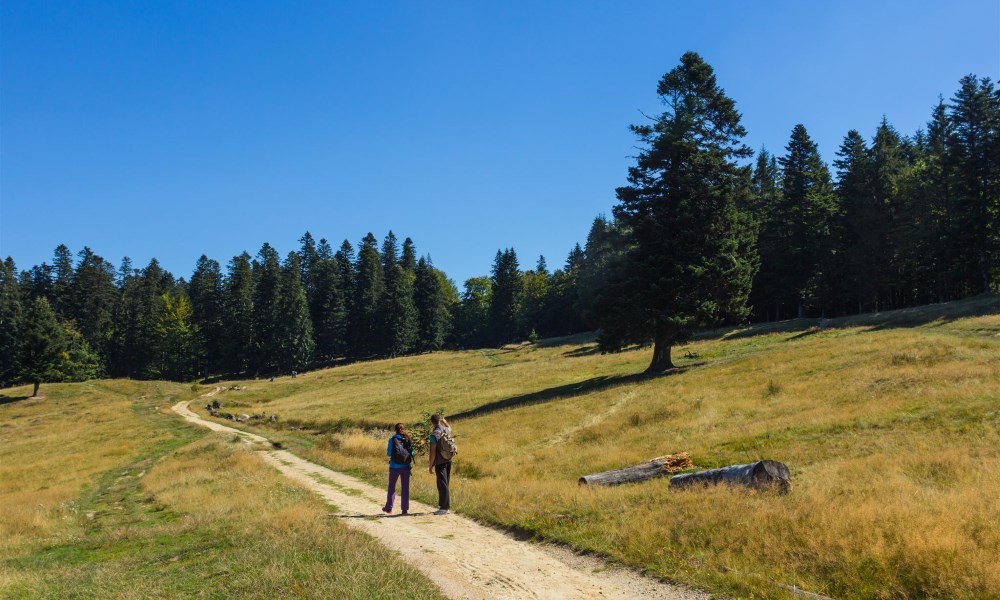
{"x": 404, "y": 482}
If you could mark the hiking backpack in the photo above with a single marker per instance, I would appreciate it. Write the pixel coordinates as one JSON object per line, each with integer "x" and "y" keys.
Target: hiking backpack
{"x": 447, "y": 448}
{"x": 402, "y": 451}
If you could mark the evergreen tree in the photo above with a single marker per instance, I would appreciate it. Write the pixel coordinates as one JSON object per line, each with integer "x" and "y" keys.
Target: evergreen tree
{"x": 123, "y": 348}
{"x": 932, "y": 208}
{"x": 532, "y": 303}
{"x": 308, "y": 255}
{"x": 398, "y": 315}
{"x": 691, "y": 257}
{"x": 153, "y": 283}
{"x": 237, "y": 307}
{"x": 409, "y": 257}
{"x": 974, "y": 148}
{"x": 81, "y": 362}
{"x": 768, "y": 290}
{"x": 434, "y": 298}
{"x": 36, "y": 282}
{"x": 92, "y": 296}
{"x": 505, "y": 280}
{"x": 602, "y": 254}
{"x": 889, "y": 170}
{"x": 346, "y": 260}
{"x": 59, "y": 283}
{"x": 472, "y": 317}
{"x": 176, "y": 338}
{"x": 40, "y": 345}
{"x": 368, "y": 290}
{"x": 326, "y": 305}
{"x": 541, "y": 266}
{"x": 859, "y": 244}
{"x": 207, "y": 313}
{"x": 10, "y": 321}
{"x": 807, "y": 207}
{"x": 266, "y": 337}
{"x": 294, "y": 329}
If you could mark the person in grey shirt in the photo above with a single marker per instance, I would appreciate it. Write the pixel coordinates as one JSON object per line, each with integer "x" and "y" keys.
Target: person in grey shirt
{"x": 438, "y": 464}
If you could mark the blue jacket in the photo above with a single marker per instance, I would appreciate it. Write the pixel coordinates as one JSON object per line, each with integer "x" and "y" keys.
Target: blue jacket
{"x": 388, "y": 452}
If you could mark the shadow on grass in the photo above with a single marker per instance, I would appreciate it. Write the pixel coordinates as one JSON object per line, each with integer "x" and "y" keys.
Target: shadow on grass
{"x": 10, "y": 399}
{"x": 583, "y": 351}
{"x": 569, "y": 390}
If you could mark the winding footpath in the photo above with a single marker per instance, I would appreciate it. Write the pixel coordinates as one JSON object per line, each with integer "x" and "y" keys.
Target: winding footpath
{"x": 465, "y": 559}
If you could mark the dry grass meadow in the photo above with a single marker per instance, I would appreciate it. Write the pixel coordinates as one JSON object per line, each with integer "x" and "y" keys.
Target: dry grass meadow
{"x": 890, "y": 424}
{"x": 105, "y": 494}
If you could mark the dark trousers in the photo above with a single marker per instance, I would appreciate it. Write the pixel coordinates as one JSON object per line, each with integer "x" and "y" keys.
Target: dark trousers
{"x": 443, "y": 476}
{"x": 404, "y": 479}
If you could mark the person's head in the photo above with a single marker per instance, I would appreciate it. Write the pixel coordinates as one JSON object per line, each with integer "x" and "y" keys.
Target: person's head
{"x": 401, "y": 430}
{"x": 436, "y": 419}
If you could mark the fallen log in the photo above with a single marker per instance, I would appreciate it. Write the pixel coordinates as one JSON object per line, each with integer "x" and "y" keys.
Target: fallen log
{"x": 761, "y": 475}
{"x": 656, "y": 467}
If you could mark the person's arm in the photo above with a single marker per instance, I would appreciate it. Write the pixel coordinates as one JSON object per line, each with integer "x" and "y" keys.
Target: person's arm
{"x": 388, "y": 449}
{"x": 432, "y": 455}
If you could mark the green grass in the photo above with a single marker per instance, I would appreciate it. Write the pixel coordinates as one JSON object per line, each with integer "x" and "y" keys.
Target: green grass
{"x": 890, "y": 424}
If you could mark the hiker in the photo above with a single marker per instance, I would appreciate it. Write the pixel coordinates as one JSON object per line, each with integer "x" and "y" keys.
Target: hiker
{"x": 400, "y": 453}
{"x": 440, "y": 461}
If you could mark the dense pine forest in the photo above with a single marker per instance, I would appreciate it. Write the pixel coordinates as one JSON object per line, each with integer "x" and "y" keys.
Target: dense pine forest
{"x": 899, "y": 220}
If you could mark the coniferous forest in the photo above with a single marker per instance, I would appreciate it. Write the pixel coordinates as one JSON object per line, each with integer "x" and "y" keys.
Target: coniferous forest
{"x": 707, "y": 232}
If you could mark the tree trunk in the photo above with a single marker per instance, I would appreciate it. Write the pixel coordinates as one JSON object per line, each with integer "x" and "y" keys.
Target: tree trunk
{"x": 35, "y": 393}
{"x": 661, "y": 356}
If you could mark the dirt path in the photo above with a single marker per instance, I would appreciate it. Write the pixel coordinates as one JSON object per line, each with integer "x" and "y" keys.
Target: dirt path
{"x": 465, "y": 559}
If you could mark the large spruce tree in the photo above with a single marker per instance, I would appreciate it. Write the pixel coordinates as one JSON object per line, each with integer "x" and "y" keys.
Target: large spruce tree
{"x": 691, "y": 255}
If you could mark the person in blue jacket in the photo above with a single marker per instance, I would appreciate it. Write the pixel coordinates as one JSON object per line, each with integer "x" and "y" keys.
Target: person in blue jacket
{"x": 400, "y": 453}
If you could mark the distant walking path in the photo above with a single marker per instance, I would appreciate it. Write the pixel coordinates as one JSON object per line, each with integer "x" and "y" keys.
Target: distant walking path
{"x": 465, "y": 559}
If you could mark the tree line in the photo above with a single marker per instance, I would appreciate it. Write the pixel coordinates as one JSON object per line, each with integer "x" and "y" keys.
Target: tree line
{"x": 701, "y": 235}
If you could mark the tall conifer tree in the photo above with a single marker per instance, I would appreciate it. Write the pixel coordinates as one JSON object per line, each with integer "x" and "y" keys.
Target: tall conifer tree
{"x": 691, "y": 257}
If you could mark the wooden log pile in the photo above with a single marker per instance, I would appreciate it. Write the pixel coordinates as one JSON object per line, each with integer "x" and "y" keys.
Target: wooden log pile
{"x": 656, "y": 467}
{"x": 760, "y": 475}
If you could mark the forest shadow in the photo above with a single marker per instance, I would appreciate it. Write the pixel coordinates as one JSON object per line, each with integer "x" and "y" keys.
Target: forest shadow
{"x": 569, "y": 390}
{"x": 936, "y": 314}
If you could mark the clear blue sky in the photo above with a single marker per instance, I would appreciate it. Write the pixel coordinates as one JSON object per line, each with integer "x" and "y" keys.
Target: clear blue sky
{"x": 172, "y": 129}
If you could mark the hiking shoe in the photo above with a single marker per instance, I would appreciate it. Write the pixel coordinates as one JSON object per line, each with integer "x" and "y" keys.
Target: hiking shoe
{"x": 404, "y": 513}
{"x": 387, "y": 511}
{"x": 441, "y": 511}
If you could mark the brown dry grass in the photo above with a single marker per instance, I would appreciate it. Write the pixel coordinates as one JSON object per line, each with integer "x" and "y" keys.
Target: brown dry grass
{"x": 104, "y": 495}
{"x": 890, "y": 425}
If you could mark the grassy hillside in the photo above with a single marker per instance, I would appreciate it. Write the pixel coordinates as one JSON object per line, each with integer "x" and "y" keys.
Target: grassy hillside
{"x": 104, "y": 494}
{"x": 890, "y": 424}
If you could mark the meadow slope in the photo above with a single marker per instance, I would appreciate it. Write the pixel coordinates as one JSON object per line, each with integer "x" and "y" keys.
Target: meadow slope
{"x": 890, "y": 424}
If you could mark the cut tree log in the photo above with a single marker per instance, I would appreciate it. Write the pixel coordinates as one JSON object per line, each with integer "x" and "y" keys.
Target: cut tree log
{"x": 656, "y": 467}
{"x": 761, "y": 475}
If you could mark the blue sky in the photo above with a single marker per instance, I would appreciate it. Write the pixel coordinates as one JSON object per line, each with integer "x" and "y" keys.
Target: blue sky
{"x": 172, "y": 129}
